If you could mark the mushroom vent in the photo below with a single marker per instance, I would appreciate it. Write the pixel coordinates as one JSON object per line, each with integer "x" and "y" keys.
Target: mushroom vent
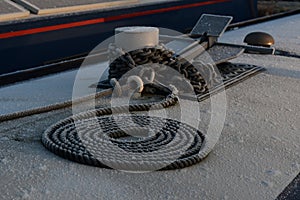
{"x": 259, "y": 39}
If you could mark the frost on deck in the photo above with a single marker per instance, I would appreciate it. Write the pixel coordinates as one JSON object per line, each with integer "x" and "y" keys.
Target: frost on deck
{"x": 10, "y": 10}
{"x": 53, "y": 7}
{"x": 256, "y": 157}
{"x": 62, "y": 6}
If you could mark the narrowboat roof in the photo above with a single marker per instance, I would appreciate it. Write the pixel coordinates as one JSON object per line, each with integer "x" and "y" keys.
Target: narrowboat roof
{"x": 256, "y": 157}
{"x": 22, "y": 9}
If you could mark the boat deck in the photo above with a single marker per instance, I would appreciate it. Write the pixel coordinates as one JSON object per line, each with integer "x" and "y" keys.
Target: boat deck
{"x": 41, "y": 7}
{"x": 55, "y": 26}
{"x": 10, "y": 10}
{"x": 16, "y": 9}
{"x": 256, "y": 157}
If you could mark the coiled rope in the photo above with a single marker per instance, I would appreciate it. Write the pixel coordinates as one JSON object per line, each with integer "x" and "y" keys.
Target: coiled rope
{"x": 101, "y": 137}
{"x": 79, "y": 138}
{"x": 92, "y": 145}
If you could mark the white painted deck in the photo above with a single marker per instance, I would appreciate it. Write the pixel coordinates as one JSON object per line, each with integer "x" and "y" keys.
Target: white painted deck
{"x": 256, "y": 157}
{"x": 41, "y": 7}
{"x": 10, "y": 11}
{"x": 18, "y": 9}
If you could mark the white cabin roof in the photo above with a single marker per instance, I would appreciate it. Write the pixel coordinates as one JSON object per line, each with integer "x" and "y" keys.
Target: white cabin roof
{"x": 256, "y": 157}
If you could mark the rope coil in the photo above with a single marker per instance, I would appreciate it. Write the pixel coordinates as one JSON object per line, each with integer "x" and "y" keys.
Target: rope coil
{"x": 78, "y": 138}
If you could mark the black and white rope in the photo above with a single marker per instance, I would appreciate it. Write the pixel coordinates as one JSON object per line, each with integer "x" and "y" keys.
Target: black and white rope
{"x": 94, "y": 137}
{"x": 93, "y": 145}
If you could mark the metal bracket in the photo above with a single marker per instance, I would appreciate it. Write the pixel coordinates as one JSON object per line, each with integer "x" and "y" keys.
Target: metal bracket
{"x": 210, "y": 27}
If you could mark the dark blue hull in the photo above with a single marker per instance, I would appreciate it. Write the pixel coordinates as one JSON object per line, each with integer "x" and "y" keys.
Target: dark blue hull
{"x": 37, "y": 41}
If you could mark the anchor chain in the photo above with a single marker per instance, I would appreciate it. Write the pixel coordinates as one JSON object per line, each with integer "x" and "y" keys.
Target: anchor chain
{"x": 159, "y": 57}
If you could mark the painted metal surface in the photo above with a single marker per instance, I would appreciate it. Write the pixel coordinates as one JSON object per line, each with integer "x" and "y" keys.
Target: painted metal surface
{"x": 256, "y": 157}
{"x": 11, "y": 11}
{"x": 35, "y": 41}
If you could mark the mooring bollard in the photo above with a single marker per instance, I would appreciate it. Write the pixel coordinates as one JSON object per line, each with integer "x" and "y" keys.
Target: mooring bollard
{"x": 136, "y": 37}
